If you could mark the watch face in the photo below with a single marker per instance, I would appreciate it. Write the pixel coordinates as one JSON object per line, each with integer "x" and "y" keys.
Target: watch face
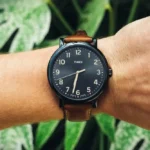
{"x": 77, "y": 72}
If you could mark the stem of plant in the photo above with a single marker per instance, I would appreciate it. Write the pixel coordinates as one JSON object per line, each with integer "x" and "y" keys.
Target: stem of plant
{"x": 77, "y": 7}
{"x": 111, "y": 19}
{"x": 60, "y": 16}
{"x": 101, "y": 141}
{"x": 133, "y": 11}
{"x": 116, "y": 3}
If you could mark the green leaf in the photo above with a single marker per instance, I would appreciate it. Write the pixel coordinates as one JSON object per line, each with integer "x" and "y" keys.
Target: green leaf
{"x": 73, "y": 132}
{"x": 128, "y": 135}
{"x": 44, "y": 131}
{"x": 47, "y": 43}
{"x": 106, "y": 124}
{"x": 31, "y": 20}
{"x": 92, "y": 16}
{"x": 16, "y": 137}
{"x": 25, "y": 132}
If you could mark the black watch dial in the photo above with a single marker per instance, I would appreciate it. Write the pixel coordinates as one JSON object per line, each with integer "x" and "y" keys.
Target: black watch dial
{"x": 78, "y": 73}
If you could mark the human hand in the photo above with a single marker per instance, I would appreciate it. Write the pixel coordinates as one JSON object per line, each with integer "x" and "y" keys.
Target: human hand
{"x": 128, "y": 53}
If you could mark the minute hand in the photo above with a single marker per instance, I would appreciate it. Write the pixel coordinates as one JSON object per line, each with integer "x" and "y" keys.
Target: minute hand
{"x": 75, "y": 82}
{"x": 71, "y": 74}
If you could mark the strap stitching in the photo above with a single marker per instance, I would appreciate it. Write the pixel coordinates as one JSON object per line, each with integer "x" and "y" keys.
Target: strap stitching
{"x": 66, "y": 114}
{"x": 89, "y": 113}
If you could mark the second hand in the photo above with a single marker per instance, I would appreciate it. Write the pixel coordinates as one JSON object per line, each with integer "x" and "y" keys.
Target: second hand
{"x": 71, "y": 74}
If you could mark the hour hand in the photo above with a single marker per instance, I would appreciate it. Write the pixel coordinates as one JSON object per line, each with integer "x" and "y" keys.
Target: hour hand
{"x": 81, "y": 71}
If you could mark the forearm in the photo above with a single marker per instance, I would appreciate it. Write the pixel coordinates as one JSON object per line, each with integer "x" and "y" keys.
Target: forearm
{"x": 25, "y": 94}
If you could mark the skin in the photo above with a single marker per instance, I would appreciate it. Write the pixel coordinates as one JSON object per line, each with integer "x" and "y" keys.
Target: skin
{"x": 26, "y": 97}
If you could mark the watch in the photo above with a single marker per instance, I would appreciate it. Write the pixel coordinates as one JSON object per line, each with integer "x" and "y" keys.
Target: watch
{"x": 78, "y": 73}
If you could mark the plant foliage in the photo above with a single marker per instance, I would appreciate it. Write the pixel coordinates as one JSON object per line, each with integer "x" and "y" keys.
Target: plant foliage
{"x": 17, "y": 137}
{"x": 128, "y": 135}
{"x": 30, "y": 19}
{"x": 44, "y": 131}
{"x": 92, "y": 15}
{"x": 106, "y": 124}
{"x": 73, "y": 133}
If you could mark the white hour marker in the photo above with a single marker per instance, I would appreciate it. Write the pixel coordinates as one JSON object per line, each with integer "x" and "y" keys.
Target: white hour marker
{"x": 62, "y": 61}
{"x": 61, "y": 82}
{"x": 89, "y": 55}
{"x": 98, "y": 72}
{"x": 96, "y": 61}
{"x": 89, "y": 89}
{"x": 96, "y": 81}
{"x": 77, "y": 92}
{"x": 78, "y": 52}
{"x": 67, "y": 89}
{"x": 68, "y": 55}
{"x": 57, "y": 71}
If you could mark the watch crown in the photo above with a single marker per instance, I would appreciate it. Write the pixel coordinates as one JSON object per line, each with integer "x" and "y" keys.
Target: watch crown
{"x": 110, "y": 72}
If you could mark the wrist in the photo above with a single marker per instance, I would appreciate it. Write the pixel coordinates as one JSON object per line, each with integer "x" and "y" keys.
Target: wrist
{"x": 107, "y": 101}
{"x": 50, "y": 100}
{"x": 26, "y": 95}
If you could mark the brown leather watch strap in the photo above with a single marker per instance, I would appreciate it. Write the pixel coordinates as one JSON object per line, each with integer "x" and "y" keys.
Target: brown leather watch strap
{"x": 79, "y": 36}
{"x": 77, "y": 112}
